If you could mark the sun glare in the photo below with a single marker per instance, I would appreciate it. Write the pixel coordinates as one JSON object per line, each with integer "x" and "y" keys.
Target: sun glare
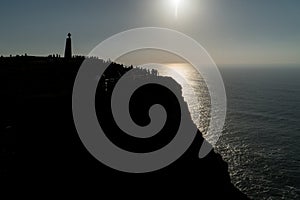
{"x": 176, "y": 5}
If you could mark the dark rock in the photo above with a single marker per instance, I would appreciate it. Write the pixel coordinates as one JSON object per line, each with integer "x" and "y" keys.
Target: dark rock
{"x": 47, "y": 147}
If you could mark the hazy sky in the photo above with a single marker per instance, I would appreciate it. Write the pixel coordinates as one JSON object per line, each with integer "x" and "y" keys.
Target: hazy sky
{"x": 232, "y": 31}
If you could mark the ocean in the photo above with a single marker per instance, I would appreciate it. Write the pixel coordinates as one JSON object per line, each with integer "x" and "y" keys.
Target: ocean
{"x": 261, "y": 137}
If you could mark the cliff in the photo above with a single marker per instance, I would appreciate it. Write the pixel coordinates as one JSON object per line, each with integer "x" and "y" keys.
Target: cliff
{"x": 39, "y": 140}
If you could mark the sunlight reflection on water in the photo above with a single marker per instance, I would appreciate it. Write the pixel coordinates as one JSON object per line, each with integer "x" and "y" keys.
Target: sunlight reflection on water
{"x": 194, "y": 91}
{"x": 260, "y": 140}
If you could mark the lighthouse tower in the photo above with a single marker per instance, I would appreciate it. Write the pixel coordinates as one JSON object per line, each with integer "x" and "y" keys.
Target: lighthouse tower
{"x": 68, "y": 49}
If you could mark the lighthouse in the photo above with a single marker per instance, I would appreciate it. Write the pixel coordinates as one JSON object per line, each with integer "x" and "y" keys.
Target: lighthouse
{"x": 68, "y": 49}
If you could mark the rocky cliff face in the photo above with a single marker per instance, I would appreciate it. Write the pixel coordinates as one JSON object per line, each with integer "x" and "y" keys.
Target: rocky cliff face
{"x": 38, "y": 113}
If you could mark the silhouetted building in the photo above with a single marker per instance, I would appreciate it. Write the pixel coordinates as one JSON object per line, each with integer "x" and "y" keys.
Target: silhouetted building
{"x": 68, "y": 49}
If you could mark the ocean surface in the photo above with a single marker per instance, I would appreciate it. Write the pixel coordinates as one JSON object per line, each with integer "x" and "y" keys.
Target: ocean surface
{"x": 261, "y": 136}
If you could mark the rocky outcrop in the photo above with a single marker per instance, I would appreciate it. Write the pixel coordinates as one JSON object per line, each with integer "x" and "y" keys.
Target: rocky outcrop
{"x": 47, "y": 146}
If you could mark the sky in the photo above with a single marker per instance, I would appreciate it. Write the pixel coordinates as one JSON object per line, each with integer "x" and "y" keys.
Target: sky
{"x": 250, "y": 32}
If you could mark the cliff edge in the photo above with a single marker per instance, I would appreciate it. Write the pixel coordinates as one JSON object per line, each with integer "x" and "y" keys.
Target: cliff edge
{"x": 39, "y": 139}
